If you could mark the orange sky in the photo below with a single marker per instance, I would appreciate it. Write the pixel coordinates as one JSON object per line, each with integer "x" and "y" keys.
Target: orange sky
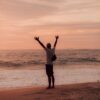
{"x": 77, "y": 22}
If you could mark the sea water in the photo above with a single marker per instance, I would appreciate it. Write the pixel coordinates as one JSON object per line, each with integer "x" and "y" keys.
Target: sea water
{"x": 21, "y": 68}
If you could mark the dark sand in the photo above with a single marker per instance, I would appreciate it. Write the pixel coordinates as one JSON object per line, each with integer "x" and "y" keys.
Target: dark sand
{"x": 83, "y": 91}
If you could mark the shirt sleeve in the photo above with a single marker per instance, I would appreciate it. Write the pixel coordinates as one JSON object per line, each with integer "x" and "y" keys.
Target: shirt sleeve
{"x": 45, "y": 49}
{"x": 53, "y": 50}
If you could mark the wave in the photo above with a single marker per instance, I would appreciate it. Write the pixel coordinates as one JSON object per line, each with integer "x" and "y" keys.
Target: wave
{"x": 82, "y": 60}
{"x": 64, "y": 57}
{"x": 41, "y": 62}
{"x": 78, "y": 60}
{"x": 16, "y": 64}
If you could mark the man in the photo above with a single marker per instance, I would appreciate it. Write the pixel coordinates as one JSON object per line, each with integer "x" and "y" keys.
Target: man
{"x": 50, "y": 52}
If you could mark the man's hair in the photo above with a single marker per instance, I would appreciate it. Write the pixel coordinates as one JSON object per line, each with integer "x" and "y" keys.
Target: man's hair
{"x": 48, "y": 45}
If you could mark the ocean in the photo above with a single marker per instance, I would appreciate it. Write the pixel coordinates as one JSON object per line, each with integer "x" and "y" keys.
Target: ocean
{"x": 22, "y": 58}
{"x": 21, "y": 68}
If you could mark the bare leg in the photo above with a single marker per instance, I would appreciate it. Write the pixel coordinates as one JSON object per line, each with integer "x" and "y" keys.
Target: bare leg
{"x": 49, "y": 82}
{"x": 53, "y": 81}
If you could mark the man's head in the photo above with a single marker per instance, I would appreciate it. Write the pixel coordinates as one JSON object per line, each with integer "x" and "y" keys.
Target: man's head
{"x": 49, "y": 45}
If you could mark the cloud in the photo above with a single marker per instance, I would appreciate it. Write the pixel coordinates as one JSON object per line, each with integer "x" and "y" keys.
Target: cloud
{"x": 23, "y": 10}
{"x": 48, "y": 14}
{"x": 76, "y": 21}
{"x": 35, "y": 12}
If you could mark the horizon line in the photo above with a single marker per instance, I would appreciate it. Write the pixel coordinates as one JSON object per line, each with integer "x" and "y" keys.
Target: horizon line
{"x": 56, "y": 49}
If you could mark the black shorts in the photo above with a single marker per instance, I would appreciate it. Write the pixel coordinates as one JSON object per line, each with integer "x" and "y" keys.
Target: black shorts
{"x": 49, "y": 69}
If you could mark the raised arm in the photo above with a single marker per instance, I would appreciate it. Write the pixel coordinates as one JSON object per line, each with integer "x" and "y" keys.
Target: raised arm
{"x": 56, "y": 41}
{"x": 37, "y": 38}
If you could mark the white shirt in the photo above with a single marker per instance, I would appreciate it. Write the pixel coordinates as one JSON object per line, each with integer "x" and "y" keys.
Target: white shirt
{"x": 49, "y": 54}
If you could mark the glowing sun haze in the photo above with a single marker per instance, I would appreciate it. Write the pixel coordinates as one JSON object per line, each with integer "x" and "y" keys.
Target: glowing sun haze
{"x": 77, "y": 22}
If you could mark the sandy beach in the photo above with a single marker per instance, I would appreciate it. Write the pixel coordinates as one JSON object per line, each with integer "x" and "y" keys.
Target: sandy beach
{"x": 82, "y": 91}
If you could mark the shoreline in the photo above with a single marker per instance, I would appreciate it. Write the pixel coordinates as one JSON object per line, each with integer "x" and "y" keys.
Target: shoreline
{"x": 29, "y": 78}
{"x": 80, "y": 91}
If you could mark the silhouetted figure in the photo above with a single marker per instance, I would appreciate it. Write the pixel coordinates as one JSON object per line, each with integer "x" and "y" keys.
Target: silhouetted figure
{"x": 50, "y": 53}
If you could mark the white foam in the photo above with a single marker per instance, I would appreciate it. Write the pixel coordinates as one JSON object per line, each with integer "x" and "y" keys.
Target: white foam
{"x": 22, "y": 78}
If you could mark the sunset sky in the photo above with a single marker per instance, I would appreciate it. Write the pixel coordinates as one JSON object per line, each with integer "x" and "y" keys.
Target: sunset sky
{"x": 77, "y": 22}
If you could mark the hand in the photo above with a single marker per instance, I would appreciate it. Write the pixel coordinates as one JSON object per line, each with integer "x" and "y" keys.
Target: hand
{"x": 36, "y": 38}
{"x": 57, "y": 37}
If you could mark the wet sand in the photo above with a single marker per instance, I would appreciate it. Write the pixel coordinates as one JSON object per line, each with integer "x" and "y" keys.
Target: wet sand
{"x": 82, "y": 91}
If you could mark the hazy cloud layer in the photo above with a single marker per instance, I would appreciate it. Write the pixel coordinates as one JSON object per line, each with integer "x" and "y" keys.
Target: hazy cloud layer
{"x": 42, "y": 17}
{"x": 50, "y": 10}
